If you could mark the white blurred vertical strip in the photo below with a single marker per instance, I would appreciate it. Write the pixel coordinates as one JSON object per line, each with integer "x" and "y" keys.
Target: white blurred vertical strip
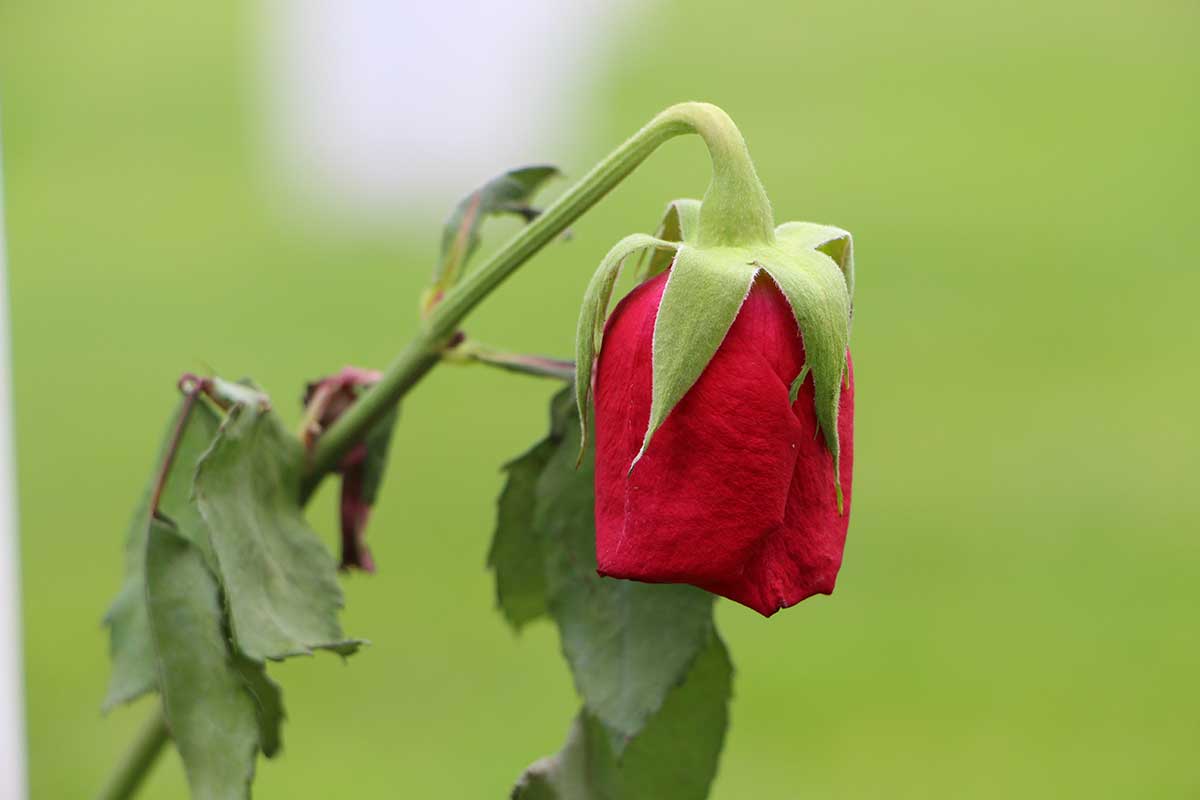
{"x": 378, "y": 111}
{"x": 12, "y": 705}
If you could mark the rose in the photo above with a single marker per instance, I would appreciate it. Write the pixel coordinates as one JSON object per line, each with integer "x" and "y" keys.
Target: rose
{"x": 735, "y": 494}
{"x": 724, "y": 410}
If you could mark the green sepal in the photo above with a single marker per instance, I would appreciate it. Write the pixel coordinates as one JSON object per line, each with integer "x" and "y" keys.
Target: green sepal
{"x": 816, "y": 290}
{"x": 834, "y": 242}
{"x": 794, "y": 392}
{"x": 680, "y": 223}
{"x": 702, "y": 298}
{"x": 594, "y": 313}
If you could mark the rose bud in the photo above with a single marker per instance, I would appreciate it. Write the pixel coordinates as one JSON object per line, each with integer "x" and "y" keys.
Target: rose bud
{"x": 724, "y": 406}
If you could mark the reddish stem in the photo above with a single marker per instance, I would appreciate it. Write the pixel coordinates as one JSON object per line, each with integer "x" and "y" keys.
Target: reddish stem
{"x": 192, "y": 387}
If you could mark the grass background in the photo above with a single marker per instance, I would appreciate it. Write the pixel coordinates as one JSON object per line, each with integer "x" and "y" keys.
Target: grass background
{"x": 1017, "y": 615}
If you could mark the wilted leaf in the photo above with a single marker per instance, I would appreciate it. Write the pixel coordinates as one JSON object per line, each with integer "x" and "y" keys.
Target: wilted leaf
{"x": 362, "y": 467}
{"x": 132, "y": 655}
{"x": 360, "y": 486}
{"x": 674, "y": 757}
{"x": 509, "y": 193}
{"x": 209, "y": 711}
{"x": 280, "y": 582}
{"x": 628, "y": 643}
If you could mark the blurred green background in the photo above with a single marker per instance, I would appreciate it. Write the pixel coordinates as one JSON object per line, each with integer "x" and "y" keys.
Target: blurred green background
{"x": 1017, "y": 614}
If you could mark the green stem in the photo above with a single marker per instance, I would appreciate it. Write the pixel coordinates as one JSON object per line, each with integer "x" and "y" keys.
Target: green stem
{"x": 735, "y": 211}
{"x": 135, "y": 765}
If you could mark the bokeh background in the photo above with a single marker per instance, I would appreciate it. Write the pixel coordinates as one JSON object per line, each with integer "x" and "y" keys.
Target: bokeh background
{"x": 1017, "y": 614}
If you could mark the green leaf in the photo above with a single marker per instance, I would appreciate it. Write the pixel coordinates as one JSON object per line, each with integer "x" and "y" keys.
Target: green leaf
{"x": 210, "y": 714}
{"x": 509, "y": 193}
{"x": 701, "y": 300}
{"x": 833, "y": 242}
{"x": 132, "y": 655}
{"x": 816, "y": 290}
{"x": 279, "y": 580}
{"x": 516, "y": 553}
{"x": 674, "y": 758}
{"x": 594, "y": 312}
{"x": 680, "y": 224}
{"x": 567, "y": 775}
{"x": 628, "y": 643}
{"x": 268, "y": 703}
{"x": 130, "y": 649}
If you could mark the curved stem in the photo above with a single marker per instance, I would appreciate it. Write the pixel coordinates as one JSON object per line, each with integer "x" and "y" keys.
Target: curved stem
{"x": 735, "y": 211}
{"x": 136, "y": 763}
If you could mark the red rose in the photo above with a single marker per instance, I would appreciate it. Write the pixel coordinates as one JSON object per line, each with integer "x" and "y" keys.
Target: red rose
{"x": 736, "y": 492}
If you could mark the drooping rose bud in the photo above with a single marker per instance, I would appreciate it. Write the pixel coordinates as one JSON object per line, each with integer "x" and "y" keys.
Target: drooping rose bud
{"x": 735, "y": 493}
{"x": 724, "y": 406}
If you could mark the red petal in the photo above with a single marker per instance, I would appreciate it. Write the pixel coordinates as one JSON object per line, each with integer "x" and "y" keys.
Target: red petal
{"x": 735, "y": 493}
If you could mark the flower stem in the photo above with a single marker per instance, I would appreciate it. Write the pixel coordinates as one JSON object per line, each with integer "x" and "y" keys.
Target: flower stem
{"x": 735, "y": 211}
{"x": 136, "y": 763}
